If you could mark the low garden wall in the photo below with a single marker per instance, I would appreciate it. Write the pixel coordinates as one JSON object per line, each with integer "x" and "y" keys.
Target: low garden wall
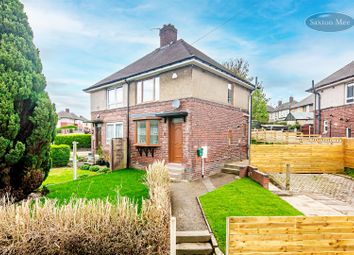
{"x": 90, "y": 226}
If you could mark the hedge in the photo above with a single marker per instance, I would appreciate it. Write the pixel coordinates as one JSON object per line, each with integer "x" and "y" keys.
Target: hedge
{"x": 60, "y": 155}
{"x": 84, "y": 140}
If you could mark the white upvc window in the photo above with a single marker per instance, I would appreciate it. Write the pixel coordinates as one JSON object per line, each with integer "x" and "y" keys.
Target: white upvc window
{"x": 349, "y": 93}
{"x": 115, "y": 97}
{"x": 230, "y": 92}
{"x": 148, "y": 90}
{"x": 113, "y": 130}
{"x": 325, "y": 126}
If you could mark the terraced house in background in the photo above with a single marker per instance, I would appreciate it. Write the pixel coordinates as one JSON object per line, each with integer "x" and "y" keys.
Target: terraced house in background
{"x": 335, "y": 103}
{"x": 171, "y": 102}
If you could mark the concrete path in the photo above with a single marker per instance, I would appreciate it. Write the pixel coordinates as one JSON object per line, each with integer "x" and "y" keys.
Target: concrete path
{"x": 184, "y": 200}
{"x": 312, "y": 204}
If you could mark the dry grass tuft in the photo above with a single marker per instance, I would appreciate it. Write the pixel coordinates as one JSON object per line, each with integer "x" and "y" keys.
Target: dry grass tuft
{"x": 90, "y": 226}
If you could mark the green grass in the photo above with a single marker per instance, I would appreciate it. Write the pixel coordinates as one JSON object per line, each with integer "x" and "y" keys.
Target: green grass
{"x": 242, "y": 197}
{"x": 128, "y": 182}
{"x": 349, "y": 171}
{"x": 64, "y": 174}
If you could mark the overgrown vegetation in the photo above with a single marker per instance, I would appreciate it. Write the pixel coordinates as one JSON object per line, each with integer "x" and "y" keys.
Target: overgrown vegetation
{"x": 349, "y": 171}
{"x": 242, "y": 197}
{"x": 60, "y": 155}
{"x": 84, "y": 140}
{"x": 91, "y": 226}
{"x": 27, "y": 116}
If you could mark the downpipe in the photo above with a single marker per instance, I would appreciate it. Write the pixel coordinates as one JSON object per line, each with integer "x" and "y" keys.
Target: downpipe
{"x": 249, "y": 123}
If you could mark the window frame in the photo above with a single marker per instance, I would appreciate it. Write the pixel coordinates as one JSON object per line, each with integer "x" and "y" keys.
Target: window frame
{"x": 147, "y": 133}
{"x": 348, "y": 132}
{"x": 230, "y": 97}
{"x": 115, "y": 104}
{"x": 139, "y": 95}
{"x": 114, "y": 131}
{"x": 346, "y": 93}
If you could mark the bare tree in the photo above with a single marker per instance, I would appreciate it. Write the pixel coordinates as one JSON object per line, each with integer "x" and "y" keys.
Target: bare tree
{"x": 239, "y": 67}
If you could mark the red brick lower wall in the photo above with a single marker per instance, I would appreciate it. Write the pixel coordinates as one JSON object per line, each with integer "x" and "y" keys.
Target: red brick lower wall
{"x": 207, "y": 124}
{"x": 339, "y": 118}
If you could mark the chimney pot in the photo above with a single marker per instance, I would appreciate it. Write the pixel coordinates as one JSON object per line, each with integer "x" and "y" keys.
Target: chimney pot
{"x": 168, "y": 34}
{"x": 67, "y": 110}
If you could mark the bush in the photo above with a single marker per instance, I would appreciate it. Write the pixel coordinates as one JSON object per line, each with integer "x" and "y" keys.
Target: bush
{"x": 90, "y": 226}
{"x": 85, "y": 167}
{"x": 84, "y": 140}
{"x": 102, "y": 162}
{"x": 94, "y": 168}
{"x": 60, "y": 155}
{"x": 104, "y": 170}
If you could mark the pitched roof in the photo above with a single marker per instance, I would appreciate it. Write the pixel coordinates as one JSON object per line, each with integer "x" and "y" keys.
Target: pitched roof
{"x": 285, "y": 106}
{"x": 270, "y": 108}
{"x": 306, "y": 101}
{"x": 343, "y": 73}
{"x": 300, "y": 115}
{"x": 164, "y": 56}
{"x": 70, "y": 115}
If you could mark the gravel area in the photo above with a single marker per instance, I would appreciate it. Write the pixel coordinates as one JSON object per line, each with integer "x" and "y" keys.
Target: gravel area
{"x": 335, "y": 186}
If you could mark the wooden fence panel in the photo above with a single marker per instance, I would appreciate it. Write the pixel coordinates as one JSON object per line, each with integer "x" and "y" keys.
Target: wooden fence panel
{"x": 293, "y": 235}
{"x": 303, "y": 158}
{"x": 349, "y": 152}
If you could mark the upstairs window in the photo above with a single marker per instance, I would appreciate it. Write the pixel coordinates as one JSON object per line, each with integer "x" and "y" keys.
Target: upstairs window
{"x": 350, "y": 93}
{"x": 115, "y": 97}
{"x": 148, "y": 90}
{"x": 230, "y": 92}
{"x": 147, "y": 132}
{"x": 113, "y": 130}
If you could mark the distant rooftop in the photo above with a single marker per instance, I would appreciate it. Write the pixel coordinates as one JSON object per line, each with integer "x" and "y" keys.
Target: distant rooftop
{"x": 70, "y": 115}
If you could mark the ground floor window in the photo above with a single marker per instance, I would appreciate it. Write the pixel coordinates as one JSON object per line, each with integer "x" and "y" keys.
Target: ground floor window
{"x": 147, "y": 132}
{"x": 114, "y": 130}
{"x": 325, "y": 126}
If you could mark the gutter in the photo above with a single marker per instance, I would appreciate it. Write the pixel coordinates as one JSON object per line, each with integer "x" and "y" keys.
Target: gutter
{"x": 191, "y": 61}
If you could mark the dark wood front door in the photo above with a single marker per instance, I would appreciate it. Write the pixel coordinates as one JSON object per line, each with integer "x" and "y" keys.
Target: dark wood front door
{"x": 176, "y": 141}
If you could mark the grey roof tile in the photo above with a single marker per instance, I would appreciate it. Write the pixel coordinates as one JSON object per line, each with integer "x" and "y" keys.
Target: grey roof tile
{"x": 343, "y": 73}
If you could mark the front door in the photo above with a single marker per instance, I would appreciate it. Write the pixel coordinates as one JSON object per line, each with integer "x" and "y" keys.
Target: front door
{"x": 176, "y": 140}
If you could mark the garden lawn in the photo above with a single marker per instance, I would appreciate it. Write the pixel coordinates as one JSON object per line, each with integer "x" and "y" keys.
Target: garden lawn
{"x": 128, "y": 182}
{"x": 242, "y": 197}
{"x": 64, "y": 174}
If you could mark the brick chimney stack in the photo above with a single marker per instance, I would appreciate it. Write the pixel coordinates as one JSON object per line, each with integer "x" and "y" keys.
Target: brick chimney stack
{"x": 168, "y": 34}
{"x": 67, "y": 110}
{"x": 279, "y": 103}
{"x": 291, "y": 99}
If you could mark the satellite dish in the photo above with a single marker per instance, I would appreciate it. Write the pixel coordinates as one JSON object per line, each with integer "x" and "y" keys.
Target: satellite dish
{"x": 176, "y": 104}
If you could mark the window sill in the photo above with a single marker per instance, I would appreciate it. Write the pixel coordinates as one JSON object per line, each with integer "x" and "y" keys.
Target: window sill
{"x": 146, "y": 145}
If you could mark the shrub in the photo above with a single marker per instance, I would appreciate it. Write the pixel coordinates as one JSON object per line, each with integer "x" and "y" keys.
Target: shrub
{"x": 94, "y": 168}
{"x": 27, "y": 116}
{"x": 85, "y": 167}
{"x": 102, "y": 162}
{"x": 104, "y": 170}
{"x": 84, "y": 140}
{"x": 60, "y": 155}
{"x": 90, "y": 226}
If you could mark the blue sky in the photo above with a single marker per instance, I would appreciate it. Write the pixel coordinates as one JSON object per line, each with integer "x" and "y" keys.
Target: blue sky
{"x": 81, "y": 42}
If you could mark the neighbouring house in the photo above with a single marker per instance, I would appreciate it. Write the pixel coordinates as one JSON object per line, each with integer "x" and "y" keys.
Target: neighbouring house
{"x": 301, "y": 118}
{"x": 70, "y": 119}
{"x": 171, "y": 102}
{"x": 334, "y": 113}
{"x": 305, "y": 105}
{"x": 279, "y": 113}
{"x": 302, "y": 114}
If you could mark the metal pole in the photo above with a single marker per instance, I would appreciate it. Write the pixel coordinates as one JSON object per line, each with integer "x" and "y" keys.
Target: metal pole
{"x": 287, "y": 178}
{"x": 75, "y": 159}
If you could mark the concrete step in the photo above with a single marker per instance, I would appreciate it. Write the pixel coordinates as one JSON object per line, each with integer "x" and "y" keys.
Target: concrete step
{"x": 232, "y": 166}
{"x": 230, "y": 171}
{"x": 192, "y": 236}
{"x": 194, "y": 248}
{"x": 176, "y": 176}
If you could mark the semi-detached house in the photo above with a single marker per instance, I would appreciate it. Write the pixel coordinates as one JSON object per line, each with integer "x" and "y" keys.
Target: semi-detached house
{"x": 171, "y": 102}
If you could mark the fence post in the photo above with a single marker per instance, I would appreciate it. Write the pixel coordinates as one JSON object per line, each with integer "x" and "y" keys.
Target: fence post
{"x": 75, "y": 159}
{"x": 173, "y": 236}
{"x": 287, "y": 177}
